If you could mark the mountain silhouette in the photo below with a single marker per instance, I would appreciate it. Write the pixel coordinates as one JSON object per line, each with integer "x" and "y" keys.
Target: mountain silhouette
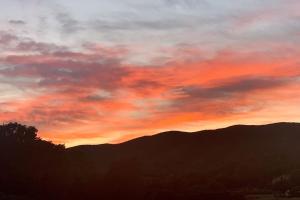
{"x": 212, "y": 164}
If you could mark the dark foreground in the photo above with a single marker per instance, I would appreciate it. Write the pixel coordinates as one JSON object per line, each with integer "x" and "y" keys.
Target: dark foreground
{"x": 221, "y": 164}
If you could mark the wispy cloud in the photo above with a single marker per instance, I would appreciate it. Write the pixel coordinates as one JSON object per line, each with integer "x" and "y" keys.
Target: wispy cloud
{"x": 17, "y": 22}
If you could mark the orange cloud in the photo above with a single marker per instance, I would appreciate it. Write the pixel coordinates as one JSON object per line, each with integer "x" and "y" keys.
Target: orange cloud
{"x": 95, "y": 97}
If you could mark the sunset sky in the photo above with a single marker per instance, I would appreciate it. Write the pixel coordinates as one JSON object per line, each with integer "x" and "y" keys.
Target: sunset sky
{"x": 106, "y": 71}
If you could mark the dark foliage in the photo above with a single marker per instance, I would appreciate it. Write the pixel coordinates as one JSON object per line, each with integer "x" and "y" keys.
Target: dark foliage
{"x": 29, "y": 166}
{"x": 219, "y": 164}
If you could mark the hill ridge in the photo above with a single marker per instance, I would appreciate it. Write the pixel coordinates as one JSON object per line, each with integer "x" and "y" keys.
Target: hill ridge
{"x": 187, "y": 132}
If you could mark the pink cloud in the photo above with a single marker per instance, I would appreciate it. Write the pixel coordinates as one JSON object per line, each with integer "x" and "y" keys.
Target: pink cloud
{"x": 94, "y": 94}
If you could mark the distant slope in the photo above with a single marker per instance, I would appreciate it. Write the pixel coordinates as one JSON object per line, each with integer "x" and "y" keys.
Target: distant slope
{"x": 234, "y": 157}
{"x": 235, "y": 129}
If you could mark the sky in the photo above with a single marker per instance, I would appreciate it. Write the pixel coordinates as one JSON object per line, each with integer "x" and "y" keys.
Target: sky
{"x": 106, "y": 71}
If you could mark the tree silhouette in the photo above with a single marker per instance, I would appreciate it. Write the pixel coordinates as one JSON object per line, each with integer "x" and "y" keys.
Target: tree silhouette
{"x": 18, "y": 132}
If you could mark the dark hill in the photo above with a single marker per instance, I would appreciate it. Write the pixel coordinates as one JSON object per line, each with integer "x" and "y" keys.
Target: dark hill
{"x": 213, "y": 164}
{"x": 235, "y": 158}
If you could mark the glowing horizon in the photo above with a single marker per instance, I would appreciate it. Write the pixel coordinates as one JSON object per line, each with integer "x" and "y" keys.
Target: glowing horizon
{"x": 109, "y": 71}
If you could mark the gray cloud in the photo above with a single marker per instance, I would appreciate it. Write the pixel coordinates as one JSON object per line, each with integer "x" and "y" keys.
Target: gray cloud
{"x": 224, "y": 98}
{"x": 237, "y": 87}
{"x": 67, "y": 23}
{"x": 94, "y": 98}
{"x": 16, "y": 43}
{"x": 66, "y": 70}
{"x": 17, "y": 22}
{"x": 32, "y": 46}
{"x": 6, "y": 38}
{"x": 151, "y": 24}
{"x": 186, "y": 3}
